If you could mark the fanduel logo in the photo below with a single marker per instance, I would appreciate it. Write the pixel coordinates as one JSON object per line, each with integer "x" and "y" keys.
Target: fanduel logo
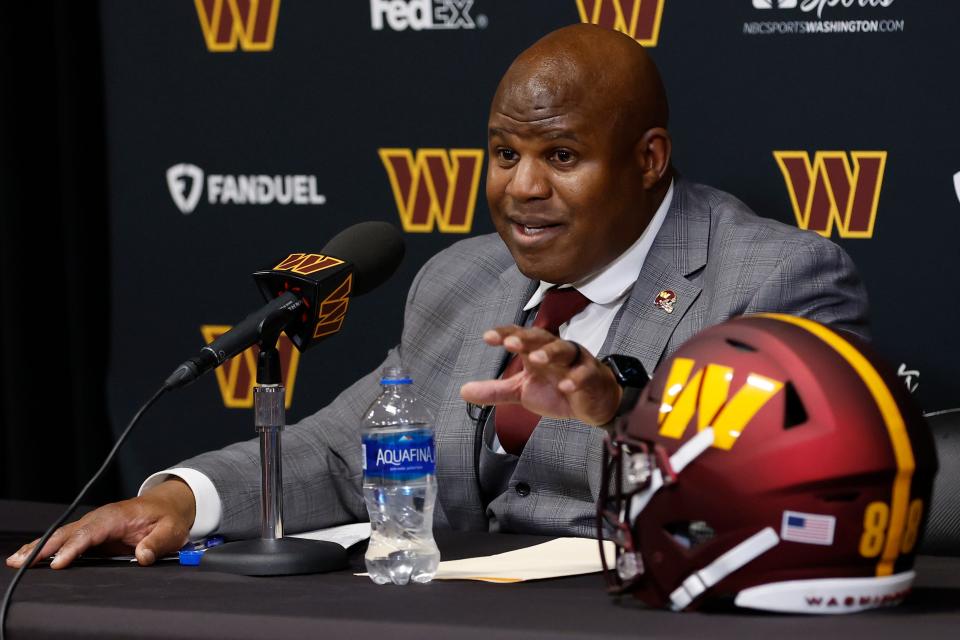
{"x": 186, "y": 182}
{"x": 400, "y": 15}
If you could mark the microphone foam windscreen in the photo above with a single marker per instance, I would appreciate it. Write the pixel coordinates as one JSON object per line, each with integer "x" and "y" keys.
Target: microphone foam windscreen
{"x": 375, "y": 249}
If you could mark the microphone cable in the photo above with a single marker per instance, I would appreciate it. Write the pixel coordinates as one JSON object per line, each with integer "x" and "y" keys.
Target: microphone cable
{"x": 7, "y": 597}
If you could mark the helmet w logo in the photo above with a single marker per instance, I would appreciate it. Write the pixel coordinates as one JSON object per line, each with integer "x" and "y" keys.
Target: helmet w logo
{"x": 435, "y": 187}
{"x": 250, "y": 23}
{"x": 238, "y": 375}
{"x": 832, "y": 190}
{"x": 707, "y": 393}
{"x": 639, "y": 19}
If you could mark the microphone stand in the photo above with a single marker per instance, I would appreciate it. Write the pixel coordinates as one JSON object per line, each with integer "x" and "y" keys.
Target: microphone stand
{"x": 272, "y": 554}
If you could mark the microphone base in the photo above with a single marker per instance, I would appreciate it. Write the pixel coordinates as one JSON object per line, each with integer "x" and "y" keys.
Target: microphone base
{"x": 280, "y": 557}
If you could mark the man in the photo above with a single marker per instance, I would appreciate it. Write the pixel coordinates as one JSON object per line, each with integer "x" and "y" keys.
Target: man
{"x": 582, "y": 193}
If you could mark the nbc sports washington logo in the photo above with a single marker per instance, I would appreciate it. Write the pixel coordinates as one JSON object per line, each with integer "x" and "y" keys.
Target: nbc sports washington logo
{"x": 434, "y": 187}
{"x": 639, "y": 19}
{"x": 227, "y": 24}
{"x": 238, "y": 375}
{"x": 186, "y": 183}
{"x": 834, "y": 190}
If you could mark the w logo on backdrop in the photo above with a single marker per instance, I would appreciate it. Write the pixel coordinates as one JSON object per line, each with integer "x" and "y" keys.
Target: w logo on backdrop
{"x": 836, "y": 189}
{"x": 706, "y": 393}
{"x": 237, "y": 376}
{"x": 435, "y": 187}
{"x": 639, "y": 19}
{"x": 250, "y": 23}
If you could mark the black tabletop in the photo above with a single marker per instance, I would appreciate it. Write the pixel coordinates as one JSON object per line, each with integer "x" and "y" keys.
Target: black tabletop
{"x": 170, "y": 601}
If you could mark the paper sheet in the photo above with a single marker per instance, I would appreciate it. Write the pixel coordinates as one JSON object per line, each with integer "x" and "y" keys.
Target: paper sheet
{"x": 346, "y": 535}
{"x": 554, "y": 559}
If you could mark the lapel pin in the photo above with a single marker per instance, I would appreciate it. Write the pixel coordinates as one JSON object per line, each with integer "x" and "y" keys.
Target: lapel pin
{"x": 665, "y": 300}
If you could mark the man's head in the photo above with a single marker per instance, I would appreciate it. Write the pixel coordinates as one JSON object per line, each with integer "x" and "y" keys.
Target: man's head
{"x": 579, "y": 155}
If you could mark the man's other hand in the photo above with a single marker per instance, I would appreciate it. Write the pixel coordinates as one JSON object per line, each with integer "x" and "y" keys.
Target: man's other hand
{"x": 152, "y": 525}
{"x": 560, "y": 379}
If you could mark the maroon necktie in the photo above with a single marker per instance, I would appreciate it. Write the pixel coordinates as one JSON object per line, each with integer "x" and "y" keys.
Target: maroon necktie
{"x": 514, "y": 423}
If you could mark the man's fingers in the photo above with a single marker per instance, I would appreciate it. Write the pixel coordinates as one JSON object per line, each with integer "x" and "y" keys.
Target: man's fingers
{"x": 490, "y": 392}
{"x": 593, "y": 392}
{"x": 560, "y": 353}
{"x": 85, "y": 533}
{"x": 18, "y": 558}
{"x": 166, "y": 537}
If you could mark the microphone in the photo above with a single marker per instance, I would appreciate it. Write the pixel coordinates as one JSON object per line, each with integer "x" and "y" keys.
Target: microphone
{"x": 308, "y": 295}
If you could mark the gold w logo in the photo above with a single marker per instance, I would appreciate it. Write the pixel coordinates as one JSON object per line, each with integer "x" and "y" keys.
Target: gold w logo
{"x": 333, "y": 309}
{"x": 307, "y": 263}
{"x": 830, "y": 191}
{"x": 706, "y": 394}
{"x": 237, "y": 376}
{"x": 639, "y": 19}
{"x": 434, "y": 187}
{"x": 250, "y": 23}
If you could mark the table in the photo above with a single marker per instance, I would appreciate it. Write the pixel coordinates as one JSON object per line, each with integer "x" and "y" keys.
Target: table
{"x": 170, "y": 601}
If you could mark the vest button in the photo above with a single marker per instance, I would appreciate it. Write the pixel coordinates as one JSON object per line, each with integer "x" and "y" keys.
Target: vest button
{"x": 523, "y": 489}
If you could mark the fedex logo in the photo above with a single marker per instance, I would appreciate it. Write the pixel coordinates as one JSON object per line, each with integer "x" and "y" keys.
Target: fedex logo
{"x": 400, "y": 15}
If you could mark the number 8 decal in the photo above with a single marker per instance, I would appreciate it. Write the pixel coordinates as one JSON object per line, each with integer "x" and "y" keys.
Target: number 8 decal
{"x": 875, "y": 521}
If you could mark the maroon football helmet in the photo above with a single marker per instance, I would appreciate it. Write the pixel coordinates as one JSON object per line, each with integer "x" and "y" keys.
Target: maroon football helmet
{"x": 772, "y": 463}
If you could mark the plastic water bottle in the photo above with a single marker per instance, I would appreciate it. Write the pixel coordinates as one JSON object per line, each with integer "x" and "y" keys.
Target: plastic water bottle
{"x": 399, "y": 484}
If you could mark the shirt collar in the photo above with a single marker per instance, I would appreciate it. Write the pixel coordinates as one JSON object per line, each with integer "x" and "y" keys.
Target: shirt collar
{"x": 612, "y": 282}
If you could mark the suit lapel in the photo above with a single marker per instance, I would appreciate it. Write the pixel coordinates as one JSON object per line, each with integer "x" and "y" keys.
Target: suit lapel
{"x": 456, "y": 433}
{"x": 643, "y": 329}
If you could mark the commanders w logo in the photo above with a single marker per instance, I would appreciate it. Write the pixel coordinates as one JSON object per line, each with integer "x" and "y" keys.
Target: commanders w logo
{"x": 236, "y": 377}
{"x": 251, "y": 23}
{"x": 829, "y": 190}
{"x": 639, "y": 19}
{"x": 707, "y": 394}
{"x": 435, "y": 187}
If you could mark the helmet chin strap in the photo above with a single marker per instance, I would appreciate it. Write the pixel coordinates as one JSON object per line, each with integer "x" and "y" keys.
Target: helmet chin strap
{"x": 699, "y": 581}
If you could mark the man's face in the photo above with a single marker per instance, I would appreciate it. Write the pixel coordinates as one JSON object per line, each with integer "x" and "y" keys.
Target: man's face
{"x": 565, "y": 193}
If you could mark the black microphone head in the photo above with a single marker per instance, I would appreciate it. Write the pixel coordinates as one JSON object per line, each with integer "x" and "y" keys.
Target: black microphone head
{"x": 355, "y": 261}
{"x": 375, "y": 249}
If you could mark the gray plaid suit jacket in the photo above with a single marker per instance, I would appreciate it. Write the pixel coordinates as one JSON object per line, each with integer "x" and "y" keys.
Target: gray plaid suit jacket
{"x": 719, "y": 258}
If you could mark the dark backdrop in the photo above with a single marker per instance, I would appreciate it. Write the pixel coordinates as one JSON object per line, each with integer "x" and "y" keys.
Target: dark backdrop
{"x": 323, "y": 93}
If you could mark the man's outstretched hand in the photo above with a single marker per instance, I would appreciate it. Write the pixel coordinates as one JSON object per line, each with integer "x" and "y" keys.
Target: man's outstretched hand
{"x": 153, "y": 525}
{"x": 560, "y": 379}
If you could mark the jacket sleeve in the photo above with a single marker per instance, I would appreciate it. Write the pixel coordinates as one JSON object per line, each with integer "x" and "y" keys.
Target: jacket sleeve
{"x": 322, "y": 467}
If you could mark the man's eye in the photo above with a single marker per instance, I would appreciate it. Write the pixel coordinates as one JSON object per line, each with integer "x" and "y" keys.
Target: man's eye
{"x": 563, "y": 156}
{"x": 507, "y": 155}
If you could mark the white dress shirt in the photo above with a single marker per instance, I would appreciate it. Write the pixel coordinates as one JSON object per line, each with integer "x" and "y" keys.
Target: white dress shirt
{"x": 607, "y": 290}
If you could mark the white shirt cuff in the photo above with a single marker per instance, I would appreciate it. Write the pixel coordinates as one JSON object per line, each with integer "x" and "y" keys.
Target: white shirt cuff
{"x": 208, "y": 506}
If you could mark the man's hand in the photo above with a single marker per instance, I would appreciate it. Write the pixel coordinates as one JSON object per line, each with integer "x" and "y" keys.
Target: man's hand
{"x": 560, "y": 379}
{"x": 154, "y": 524}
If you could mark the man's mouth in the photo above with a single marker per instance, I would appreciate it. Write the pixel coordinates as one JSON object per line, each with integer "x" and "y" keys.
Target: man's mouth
{"x": 534, "y": 233}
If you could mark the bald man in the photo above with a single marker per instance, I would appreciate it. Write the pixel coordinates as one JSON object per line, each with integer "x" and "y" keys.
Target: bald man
{"x": 587, "y": 209}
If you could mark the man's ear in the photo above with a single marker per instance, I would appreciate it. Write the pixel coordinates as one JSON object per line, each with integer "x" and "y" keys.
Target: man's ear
{"x": 653, "y": 155}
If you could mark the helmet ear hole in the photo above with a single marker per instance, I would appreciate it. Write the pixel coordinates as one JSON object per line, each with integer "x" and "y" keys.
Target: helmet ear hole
{"x": 690, "y": 534}
{"x": 794, "y": 414}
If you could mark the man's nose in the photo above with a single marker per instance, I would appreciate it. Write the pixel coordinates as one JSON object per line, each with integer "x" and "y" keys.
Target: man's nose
{"x": 529, "y": 181}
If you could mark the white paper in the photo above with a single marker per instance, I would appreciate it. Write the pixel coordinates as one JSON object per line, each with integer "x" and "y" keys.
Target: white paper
{"x": 553, "y": 559}
{"x": 346, "y": 535}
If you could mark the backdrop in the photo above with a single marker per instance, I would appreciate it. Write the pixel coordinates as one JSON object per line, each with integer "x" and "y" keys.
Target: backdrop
{"x": 239, "y": 131}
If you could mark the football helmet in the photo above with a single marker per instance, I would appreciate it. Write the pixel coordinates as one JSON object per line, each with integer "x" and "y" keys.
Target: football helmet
{"x": 772, "y": 463}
